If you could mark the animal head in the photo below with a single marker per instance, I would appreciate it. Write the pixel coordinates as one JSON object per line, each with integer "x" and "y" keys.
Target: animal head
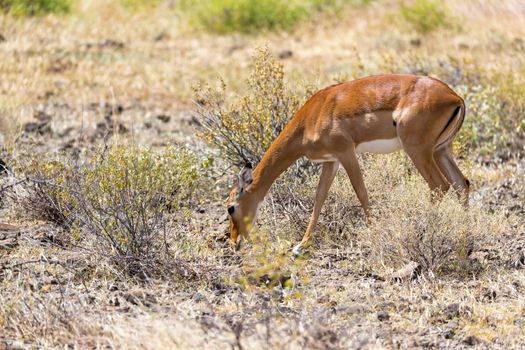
{"x": 239, "y": 211}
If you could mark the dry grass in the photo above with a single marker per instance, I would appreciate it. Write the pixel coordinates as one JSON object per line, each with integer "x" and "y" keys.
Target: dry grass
{"x": 105, "y": 75}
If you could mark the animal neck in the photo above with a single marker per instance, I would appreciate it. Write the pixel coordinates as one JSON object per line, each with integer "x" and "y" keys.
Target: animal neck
{"x": 283, "y": 152}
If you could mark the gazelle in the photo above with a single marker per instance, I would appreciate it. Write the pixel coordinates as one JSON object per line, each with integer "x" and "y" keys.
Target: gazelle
{"x": 377, "y": 114}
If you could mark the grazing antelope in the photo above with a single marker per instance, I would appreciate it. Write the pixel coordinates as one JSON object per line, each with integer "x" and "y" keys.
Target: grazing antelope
{"x": 376, "y": 114}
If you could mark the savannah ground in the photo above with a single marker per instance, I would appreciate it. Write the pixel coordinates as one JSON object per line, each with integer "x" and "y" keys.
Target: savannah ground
{"x": 94, "y": 96}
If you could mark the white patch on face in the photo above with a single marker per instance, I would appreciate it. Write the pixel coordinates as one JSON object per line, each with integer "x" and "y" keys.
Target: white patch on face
{"x": 379, "y": 146}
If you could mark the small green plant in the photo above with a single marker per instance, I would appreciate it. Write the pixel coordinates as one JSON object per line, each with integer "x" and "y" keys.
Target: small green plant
{"x": 267, "y": 268}
{"x": 34, "y": 7}
{"x": 424, "y": 15}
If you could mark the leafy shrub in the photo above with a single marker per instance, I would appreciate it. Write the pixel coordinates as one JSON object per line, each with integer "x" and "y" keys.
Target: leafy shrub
{"x": 125, "y": 195}
{"x": 242, "y": 131}
{"x": 34, "y": 7}
{"x": 424, "y": 15}
{"x": 119, "y": 196}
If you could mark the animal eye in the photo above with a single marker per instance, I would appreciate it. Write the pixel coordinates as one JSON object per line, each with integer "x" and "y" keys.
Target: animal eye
{"x": 231, "y": 209}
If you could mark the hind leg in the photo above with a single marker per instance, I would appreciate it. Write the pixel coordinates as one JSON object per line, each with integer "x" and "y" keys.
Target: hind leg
{"x": 421, "y": 152}
{"x": 423, "y": 159}
{"x": 419, "y": 131}
{"x": 447, "y": 165}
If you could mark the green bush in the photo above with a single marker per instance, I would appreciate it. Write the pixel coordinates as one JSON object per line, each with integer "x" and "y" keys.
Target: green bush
{"x": 124, "y": 196}
{"x": 117, "y": 198}
{"x": 323, "y": 5}
{"x": 424, "y": 15}
{"x": 250, "y": 16}
{"x": 225, "y": 16}
{"x": 140, "y": 4}
{"x": 34, "y": 7}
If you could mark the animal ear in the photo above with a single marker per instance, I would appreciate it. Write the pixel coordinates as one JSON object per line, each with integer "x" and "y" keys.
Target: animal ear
{"x": 245, "y": 177}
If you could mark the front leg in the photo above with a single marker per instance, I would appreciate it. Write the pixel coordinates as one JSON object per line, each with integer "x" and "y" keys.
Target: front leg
{"x": 327, "y": 177}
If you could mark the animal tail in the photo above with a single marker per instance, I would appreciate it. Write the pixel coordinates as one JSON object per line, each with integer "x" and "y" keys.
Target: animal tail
{"x": 453, "y": 125}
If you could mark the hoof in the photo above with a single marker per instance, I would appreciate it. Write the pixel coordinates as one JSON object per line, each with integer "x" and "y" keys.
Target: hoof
{"x": 297, "y": 251}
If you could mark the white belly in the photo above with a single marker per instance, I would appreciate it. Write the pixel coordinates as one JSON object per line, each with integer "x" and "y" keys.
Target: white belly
{"x": 379, "y": 146}
{"x": 323, "y": 159}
